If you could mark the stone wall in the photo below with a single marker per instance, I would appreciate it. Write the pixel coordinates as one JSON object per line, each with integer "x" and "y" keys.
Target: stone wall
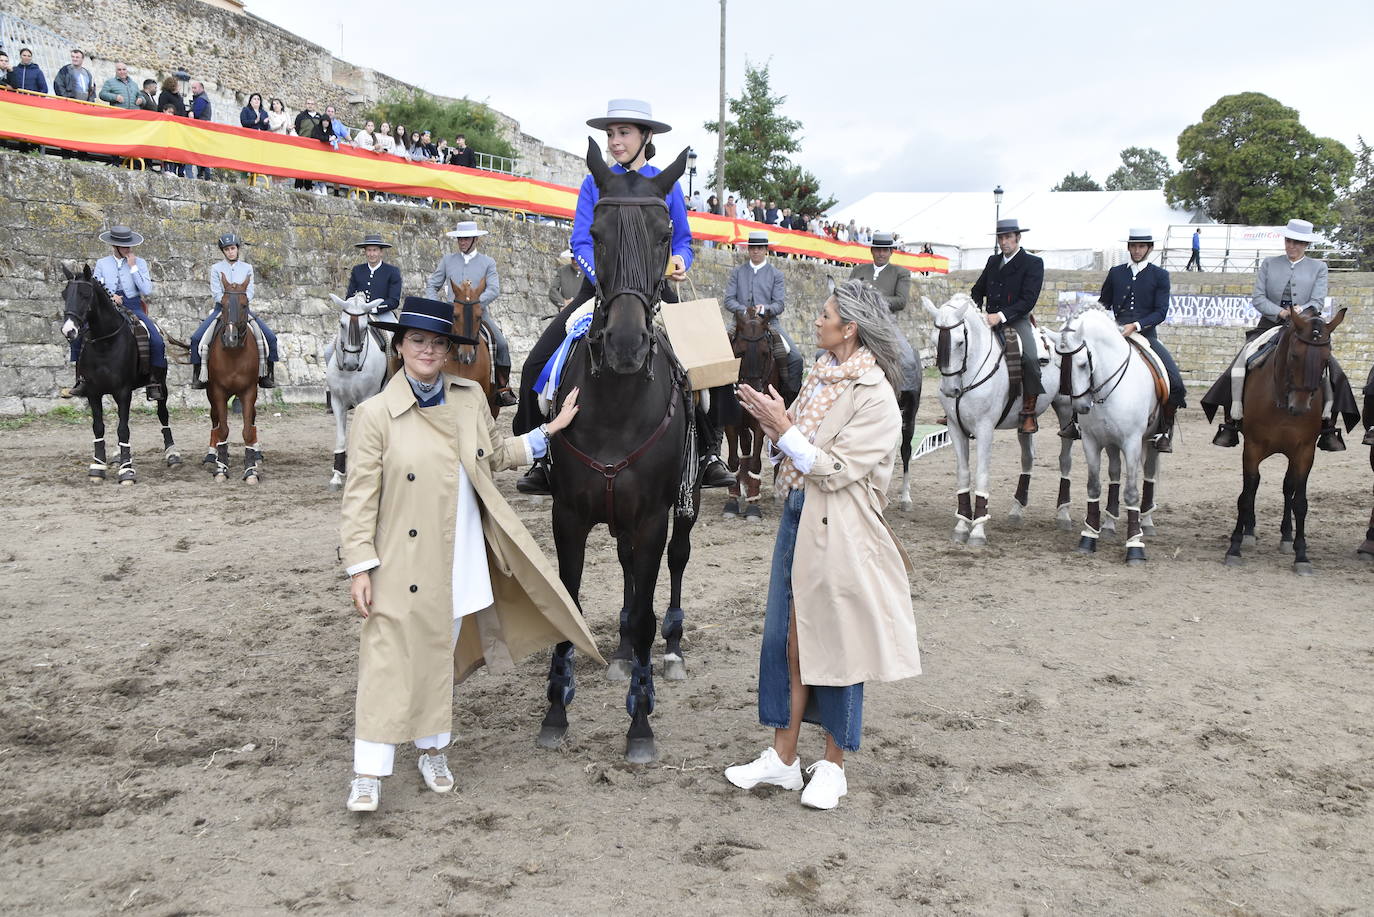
{"x": 237, "y": 54}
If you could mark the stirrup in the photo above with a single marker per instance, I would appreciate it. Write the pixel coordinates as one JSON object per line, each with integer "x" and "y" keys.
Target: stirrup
{"x": 1368, "y": 437}
{"x": 1330, "y": 440}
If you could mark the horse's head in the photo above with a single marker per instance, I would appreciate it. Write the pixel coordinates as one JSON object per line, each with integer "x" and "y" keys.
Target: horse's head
{"x": 1304, "y": 352}
{"x": 77, "y": 298}
{"x": 754, "y": 346}
{"x": 233, "y": 307}
{"x": 354, "y": 318}
{"x": 467, "y": 316}
{"x": 632, "y": 236}
{"x": 955, "y": 332}
{"x": 1075, "y": 364}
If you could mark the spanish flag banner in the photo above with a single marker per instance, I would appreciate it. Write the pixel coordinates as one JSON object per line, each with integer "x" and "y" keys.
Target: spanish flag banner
{"x": 72, "y": 125}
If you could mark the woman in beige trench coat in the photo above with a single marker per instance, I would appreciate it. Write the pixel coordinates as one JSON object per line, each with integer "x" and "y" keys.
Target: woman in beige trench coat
{"x": 443, "y": 573}
{"x": 839, "y": 603}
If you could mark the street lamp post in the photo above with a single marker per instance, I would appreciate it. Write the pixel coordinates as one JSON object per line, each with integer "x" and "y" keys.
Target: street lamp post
{"x": 997, "y": 199}
{"x": 691, "y": 169}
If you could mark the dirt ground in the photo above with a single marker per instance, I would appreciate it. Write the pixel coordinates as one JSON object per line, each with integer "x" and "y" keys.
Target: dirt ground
{"x": 179, "y": 665}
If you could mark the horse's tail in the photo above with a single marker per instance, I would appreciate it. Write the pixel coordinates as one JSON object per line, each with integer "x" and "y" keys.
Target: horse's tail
{"x": 177, "y": 343}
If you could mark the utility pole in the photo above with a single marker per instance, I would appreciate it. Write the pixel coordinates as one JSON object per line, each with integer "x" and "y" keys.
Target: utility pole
{"x": 720, "y": 134}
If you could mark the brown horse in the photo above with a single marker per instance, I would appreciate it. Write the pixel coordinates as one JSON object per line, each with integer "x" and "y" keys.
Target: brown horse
{"x": 1366, "y": 550}
{"x": 471, "y": 361}
{"x": 232, "y": 369}
{"x": 1283, "y": 414}
{"x": 753, "y": 344}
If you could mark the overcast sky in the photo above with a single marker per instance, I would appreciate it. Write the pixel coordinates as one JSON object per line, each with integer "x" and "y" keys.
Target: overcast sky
{"x": 896, "y": 96}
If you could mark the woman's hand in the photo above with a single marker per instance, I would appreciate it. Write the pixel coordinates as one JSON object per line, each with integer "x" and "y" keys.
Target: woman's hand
{"x": 565, "y": 414}
{"x": 768, "y": 408}
{"x": 360, "y": 587}
{"x": 678, "y": 269}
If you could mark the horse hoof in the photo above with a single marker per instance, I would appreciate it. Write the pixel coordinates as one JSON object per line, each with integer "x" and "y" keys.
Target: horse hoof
{"x": 173, "y": 460}
{"x": 210, "y": 459}
{"x": 959, "y": 538}
{"x": 906, "y": 505}
{"x": 1365, "y": 552}
{"x": 1248, "y": 541}
{"x": 1135, "y": 557}
{"x": 1109, "y": 526}
{"x": 94, "y": 478}
{"x": 336, "y": 485}
{"x": 731, "y": 509}
{"x": 125, "y": 482}
{"x": 221, "y": 478}
{"x": 1147, "y": 529}
{"x": 251, "y": 479}
{"x": 619, "y": 670}
{"x": 1285, "y": 547}
{"x": 1232, "y": 560}
{"x": 754, "y": 518}
{"x": 1065, "y": 525}
{"x": 674, "y": 667}
{"x": 1303, "y": 568}
{"x": 1086, "y": 545}
{"x": 641, "y": 751}
{"x": 978, "y": 541}
{"x": 551, "y": 736}
{"x": 1014, "y": 519}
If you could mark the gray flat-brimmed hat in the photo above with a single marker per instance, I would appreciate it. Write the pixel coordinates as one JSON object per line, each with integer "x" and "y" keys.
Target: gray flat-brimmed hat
{"x": 882, "y": 240}
{"x": 1139, "y": 234}
{"x": 122, "y": 236}
{"x": 758, "y": 237}
{"x": 466, "y": 230}
{"x": 372, "y": 238}
{"x": 1299, "y": 231}
{"x": 1009, "y": 226}
{"x": 629, "y": 111}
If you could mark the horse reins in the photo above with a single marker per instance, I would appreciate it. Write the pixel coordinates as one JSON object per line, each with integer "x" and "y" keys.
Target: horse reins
{"x": 609, "y": 471}
{"x": 649, "y": 300}
{"x": 942, "y": 355}
{"x": 85, "y": 323}
{"x": 1315, "y": 346}
{"x": 1066, "y": 373}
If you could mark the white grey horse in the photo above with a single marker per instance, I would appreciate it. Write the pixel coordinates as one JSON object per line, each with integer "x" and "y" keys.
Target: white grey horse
{"x": 355, "y": 365}
{"x": 974, "y": 387}
{"x": 1113, "y": 390}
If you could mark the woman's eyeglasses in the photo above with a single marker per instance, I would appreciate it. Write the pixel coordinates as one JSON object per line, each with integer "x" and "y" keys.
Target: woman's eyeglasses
{"x": 429, "y": 344}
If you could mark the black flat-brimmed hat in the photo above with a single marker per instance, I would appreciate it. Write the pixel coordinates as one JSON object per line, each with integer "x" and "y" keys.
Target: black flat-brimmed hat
{"x": 122, "y": 236}
{"x": 420, "y": 314}
{"x": 1011, "y": 225}
{"x": 372, "y": 238}
{"x": 882, "y": 240}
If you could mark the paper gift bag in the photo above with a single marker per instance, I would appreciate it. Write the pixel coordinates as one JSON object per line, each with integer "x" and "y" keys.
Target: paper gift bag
{"x": 698, "y": 337}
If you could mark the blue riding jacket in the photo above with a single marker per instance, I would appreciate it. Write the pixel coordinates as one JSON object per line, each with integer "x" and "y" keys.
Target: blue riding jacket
{"x": 589, "y": 194}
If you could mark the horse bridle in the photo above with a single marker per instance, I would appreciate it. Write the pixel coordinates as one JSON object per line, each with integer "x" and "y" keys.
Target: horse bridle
{"x": 942, "y": 354}
{"x": 1066, "y": 373}
{"x": 648, "y": 299}
{"x": 85, "y": 320}
{"x": 1318, "y": 332}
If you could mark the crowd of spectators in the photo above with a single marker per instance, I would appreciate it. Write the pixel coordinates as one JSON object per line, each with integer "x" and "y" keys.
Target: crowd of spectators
{"x": 768, "y": 213}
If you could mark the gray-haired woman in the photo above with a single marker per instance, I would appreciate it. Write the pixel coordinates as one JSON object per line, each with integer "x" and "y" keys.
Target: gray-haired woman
{"x": 839, "y": 603}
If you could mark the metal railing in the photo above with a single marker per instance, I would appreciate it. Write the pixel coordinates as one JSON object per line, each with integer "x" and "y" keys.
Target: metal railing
{"x": 50, "y": 50}
{"x": 493, "y": 163}
{"x": 1236, "y": 255}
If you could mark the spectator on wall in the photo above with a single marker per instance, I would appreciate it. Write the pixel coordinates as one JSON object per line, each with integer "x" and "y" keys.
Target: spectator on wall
{"x": 147, "y": 96}
{"x": 311, "y": 125}
{"x": 119, "y": 90}
{"x": 27, "y": 75}
{"x": 400, "y": 141}
{"x": 74, "y": 81}
{"x": 171, "y": 95}
{"x": 462, "y": 154}
{"x": 201, "y": 110}
{"x": 278, "y": 121}
{"x": 385, "y": 142}
{"x": 419, "y": 147}
{"x": 442, "y": 151}
{"x": 254, "y": 116}
{"x": 366, "y": 139}
{"x": 338, "y": 133}
{"x": 5, "y": 69}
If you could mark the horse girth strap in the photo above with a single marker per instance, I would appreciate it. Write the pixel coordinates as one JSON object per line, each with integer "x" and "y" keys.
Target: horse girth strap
{"x": 609, "y": 472}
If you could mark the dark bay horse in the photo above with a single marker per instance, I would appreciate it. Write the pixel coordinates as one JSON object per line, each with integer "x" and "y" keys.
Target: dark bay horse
{"x": 1282, "y": 407}
{"x": 753, "y": 345}
{"x": 471, "y": 361}
{"x": 623, "y": 463}
{"x": 1366, "y": 550}
{"x": 232, "y": 366}
{"x": 109, "y": 364}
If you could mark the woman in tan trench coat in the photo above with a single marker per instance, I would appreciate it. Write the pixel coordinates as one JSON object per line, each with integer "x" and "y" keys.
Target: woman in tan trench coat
{"x": 444, "y": 574}
{"x": 839, "y": 604}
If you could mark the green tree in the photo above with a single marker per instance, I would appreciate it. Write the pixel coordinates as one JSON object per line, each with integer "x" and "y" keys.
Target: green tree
{"x": 1075, "y": 182}
{"x": 1141, "y": 169}
{"x": 422, "y": 112}
{"x": 1250, "y": 160}
{"x": 1354, "y": 232}
{"x": 758, "y": 139}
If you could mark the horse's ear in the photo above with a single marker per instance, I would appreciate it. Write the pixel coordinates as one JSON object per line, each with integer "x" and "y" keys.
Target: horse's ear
{"x": 929, "y": 306}
{"x": 67, "y": 272}
{"x": 829, "y": 286}
{"x": 665, "y": 180}
{"x": 1340, "y": 317}
{"x": 337, "y": 301}
{"x": 962, "y": 310}
{"x": 85, "y": 272}
{"x": 595, "y": 164}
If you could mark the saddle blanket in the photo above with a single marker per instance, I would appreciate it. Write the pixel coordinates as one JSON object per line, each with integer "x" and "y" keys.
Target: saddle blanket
{"x": 1152, "y": 359}
{"x": 1252, "y": 356}
{"x": 213, "y": 332}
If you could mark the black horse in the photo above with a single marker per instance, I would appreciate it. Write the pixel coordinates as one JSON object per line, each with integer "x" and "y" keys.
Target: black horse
{"x": 624, "y": 461}
{"x": 109, "y": 364}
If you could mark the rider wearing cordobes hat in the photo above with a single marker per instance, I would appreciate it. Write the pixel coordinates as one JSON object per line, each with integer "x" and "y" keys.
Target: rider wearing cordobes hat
{"x": 232, "y": 269}
{"x": 630, "y": 128}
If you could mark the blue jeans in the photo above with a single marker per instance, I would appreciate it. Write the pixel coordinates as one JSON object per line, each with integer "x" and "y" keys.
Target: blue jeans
{"x": 157, "y": 348}
{"x": 210, "y": 320}
{"x": 837, "y": 710}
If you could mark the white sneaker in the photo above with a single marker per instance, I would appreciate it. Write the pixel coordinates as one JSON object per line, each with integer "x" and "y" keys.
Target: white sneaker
{"x": 767, "y": 768}
{"x": 826, "y": 787}
{"x": 434, "y": 768}
{"x": 364, "y": 794}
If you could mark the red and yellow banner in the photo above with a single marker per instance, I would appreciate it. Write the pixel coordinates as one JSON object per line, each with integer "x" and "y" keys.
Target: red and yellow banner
{"x": 73, "y": 125}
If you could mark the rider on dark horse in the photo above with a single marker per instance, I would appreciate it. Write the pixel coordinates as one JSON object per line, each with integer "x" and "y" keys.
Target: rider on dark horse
{"x": 126, "y": 277}
{"x": 1286, "y": 283}
{"x": 232, "y": 270}
{"x": 630, "y": 127}
{"x": 758, "y": 283}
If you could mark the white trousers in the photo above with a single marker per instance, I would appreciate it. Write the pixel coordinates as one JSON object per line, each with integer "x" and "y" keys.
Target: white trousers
{"x": 378, "y": 759}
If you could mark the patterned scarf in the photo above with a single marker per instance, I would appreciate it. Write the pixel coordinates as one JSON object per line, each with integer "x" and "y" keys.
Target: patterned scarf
{"x": 827, "y": 382}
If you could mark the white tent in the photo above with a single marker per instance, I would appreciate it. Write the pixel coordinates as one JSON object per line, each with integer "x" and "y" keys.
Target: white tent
{"x": 1067, "y": 228}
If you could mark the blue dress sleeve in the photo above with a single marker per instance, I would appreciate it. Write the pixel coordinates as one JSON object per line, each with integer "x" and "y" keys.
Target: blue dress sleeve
{"x": 583, "y": 250}
{"x": 682, "y": 231}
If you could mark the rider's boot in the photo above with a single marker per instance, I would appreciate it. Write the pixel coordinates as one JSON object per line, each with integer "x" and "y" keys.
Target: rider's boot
{"x": 1330, "y": 439}
{"x": 1163, "y": 440}
{"x": 78, "y": 389}
{"x": 1368, "y": 437}
{"x": 1028, "y": 421}
{"x": 536, "y": 480}
{"x": 157, "y": 385}
{"x": 713, "y": 473}
{"x": 269, "y": 378}
{"x": 504, "y": 396}
{"x": 1227, "y": 432}
{"x": 196, "y": 381}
